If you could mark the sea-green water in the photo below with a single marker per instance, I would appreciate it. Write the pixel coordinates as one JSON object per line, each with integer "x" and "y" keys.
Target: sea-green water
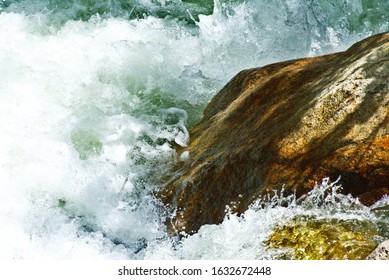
{"x": 95, "y": 95}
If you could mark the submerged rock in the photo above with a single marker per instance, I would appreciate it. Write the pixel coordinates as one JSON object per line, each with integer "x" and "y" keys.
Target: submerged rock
{"x": 288, "y": 124}
{"x": 381, "y": 252}
{"x": 322, "y": 240}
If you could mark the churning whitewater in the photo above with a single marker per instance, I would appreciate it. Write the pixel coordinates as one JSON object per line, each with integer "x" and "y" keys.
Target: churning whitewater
{"x": 95, "y": 95}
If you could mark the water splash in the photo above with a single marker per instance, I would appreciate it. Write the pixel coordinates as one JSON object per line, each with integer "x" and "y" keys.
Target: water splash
{"x": 324, "y": 204}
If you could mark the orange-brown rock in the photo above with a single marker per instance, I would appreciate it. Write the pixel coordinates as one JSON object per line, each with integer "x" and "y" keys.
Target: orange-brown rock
{"x": 290, "y": 123}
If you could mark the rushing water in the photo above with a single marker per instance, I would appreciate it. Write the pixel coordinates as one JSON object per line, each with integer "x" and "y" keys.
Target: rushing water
{"x": 95, "y": 94}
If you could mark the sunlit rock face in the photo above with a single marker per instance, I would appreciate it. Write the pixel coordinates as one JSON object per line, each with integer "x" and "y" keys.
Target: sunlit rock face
{"x": 288, "y": 124}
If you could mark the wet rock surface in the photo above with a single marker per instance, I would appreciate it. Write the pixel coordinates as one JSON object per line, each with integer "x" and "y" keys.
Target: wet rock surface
{"x": 288, "y": 125}
{"x": 322, "y": 240}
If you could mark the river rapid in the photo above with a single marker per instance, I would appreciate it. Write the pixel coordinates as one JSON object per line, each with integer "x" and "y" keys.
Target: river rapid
{"x": 95, "y": 95}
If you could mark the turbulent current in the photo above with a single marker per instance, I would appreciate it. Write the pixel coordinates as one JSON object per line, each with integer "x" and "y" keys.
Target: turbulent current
{"x": 95, "y": 95}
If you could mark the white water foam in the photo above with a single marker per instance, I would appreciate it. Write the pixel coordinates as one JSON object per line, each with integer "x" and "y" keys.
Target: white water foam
{"x": 245, "y": 236}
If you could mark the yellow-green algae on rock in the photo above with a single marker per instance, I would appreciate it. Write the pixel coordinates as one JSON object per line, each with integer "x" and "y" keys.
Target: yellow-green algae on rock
{"x": 323, "y": 240}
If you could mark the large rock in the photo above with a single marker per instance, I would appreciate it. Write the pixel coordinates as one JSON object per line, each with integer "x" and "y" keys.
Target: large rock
{"x": 290, "y": 123}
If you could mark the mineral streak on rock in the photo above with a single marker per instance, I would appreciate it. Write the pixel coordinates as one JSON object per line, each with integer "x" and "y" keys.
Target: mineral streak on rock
{"x": 290, "y": 123}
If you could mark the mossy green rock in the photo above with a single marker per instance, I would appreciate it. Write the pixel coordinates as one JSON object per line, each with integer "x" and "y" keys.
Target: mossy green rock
{"x": 322, "y": 240}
